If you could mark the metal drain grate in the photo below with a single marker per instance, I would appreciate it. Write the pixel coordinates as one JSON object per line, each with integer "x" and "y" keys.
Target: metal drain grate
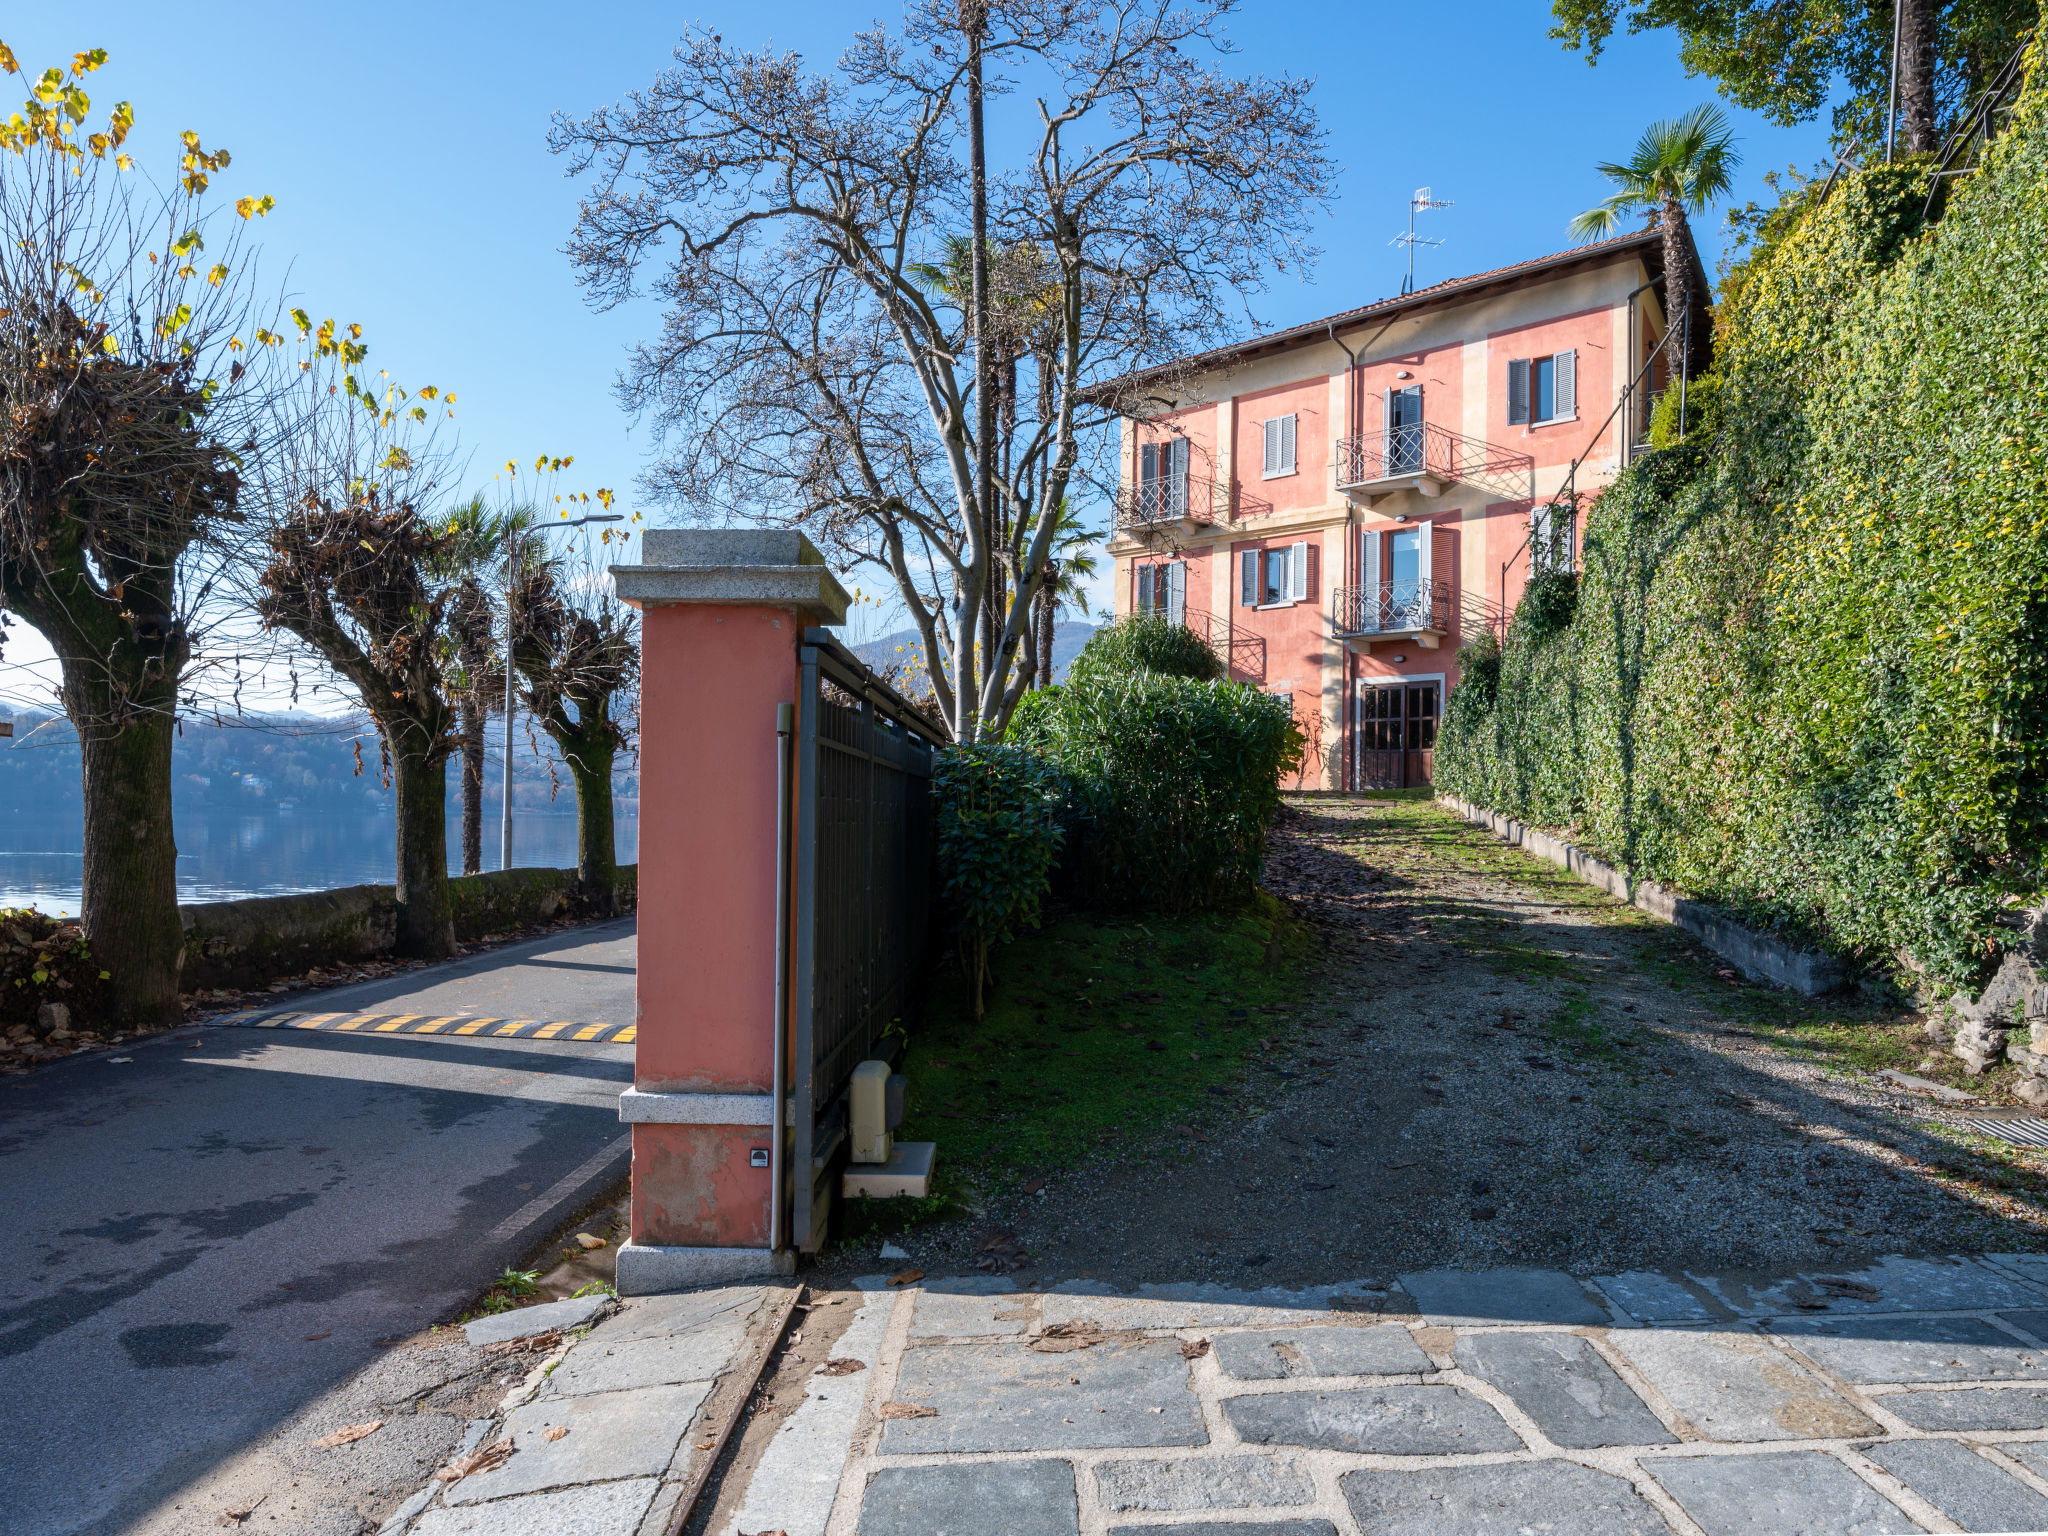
{"x": 2025, "y": 1131}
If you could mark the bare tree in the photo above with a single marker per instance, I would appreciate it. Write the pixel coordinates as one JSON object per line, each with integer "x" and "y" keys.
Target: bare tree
{"x": 576, "y": 646}
{"x": 133, "y": 379}
{"x": 357, "y": 572}
{"x": 807, "y": 374}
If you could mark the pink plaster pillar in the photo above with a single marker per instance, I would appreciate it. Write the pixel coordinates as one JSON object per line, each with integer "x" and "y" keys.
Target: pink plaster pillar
{"x": 722, "y": 613}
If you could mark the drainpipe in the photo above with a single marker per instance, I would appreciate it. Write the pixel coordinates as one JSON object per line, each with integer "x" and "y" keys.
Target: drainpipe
{"x": 1347, "y": 724}
{"x": 778, "y": 1134}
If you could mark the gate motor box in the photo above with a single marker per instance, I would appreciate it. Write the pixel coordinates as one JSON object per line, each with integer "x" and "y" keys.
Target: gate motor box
{"x": 874, "y": 1109}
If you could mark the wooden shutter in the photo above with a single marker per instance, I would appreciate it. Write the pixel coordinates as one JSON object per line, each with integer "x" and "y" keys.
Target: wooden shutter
{"x": 1297, "y": 572}
{"x": 1177, "y": 591}
{"x": 1272, "y": 465}
{"x": 1177, "y": 477}
{"x": 1518, "y": 392}
{"x": 1423, "y": 563}
{"x": 1287, "y": 445}
{"x": 1444, "y": 563}
{"x": 1248, "y": 579}
{"x": 1144, "y": 600}
{"x": 1567, "y": 385}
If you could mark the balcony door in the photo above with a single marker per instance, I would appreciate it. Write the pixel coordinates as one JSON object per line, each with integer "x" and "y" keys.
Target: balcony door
{"x": 1163, "y": 480}
{"x": 1404, "y": 430}
{"x": 1394, "y": 733}
{"x": 1407, "y": 605}
{"x": 1163, "y": 589}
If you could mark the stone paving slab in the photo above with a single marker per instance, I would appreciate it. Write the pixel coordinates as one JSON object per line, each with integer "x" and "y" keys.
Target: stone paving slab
{"x": 1230, "y": 1528}
{"x": 1386, "y": 1421}
{"x": 2034, "y": 1456}
{"x": 1777, "y": 1494}
{"x": 608, "y": 1365}
{"x": 1388, "y": 1350}
{"x": 1560, "y": 1381}
{"x": 1544, "y": 1498}
{"x": 1030, "y": 1498}
{"x": 1739, "y": 1386}
{"x": 1190, "y": 1306}
{"x": 1988, "y": 1408}
{"x": 1963, "y": 1485}
{"x": 1457, "y": 1298}
{"x": 2032, "y": 1323}
{"x": 1203, "y": 1482}
{"x": 1900, "y": 1284}
{"x": 525, "y": 1322}
{"x": 611, "y": 1435}
{"x": 979, "y": 1306}
{"x": 1008, "y": 1397}
{"x": 651, "y": 1317}
{"x": 1862, "y": 1350}
{"x": 1658, "y": 1300}
{"x": 606, "y": 1509}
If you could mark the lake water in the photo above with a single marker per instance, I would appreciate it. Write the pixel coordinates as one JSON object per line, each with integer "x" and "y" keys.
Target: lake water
{"x": 226, "y": 855}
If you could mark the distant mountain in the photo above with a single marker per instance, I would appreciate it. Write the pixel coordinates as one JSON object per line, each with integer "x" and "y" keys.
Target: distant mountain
{"x": 894, "y": 652}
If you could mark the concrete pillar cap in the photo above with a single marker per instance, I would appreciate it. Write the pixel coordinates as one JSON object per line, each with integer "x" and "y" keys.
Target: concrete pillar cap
{"x": 754, "y": 567}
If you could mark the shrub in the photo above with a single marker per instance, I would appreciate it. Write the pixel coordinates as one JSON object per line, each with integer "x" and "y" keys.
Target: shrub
{"x": 997, "y": 814}
{"x": 1146, "y": 642}
{"x": 1171, "y": 784}
{"x": 46, "y": 960}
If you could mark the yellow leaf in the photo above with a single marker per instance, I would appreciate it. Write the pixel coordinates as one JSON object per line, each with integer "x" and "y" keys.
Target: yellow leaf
{"x": 86, "y": 63}
{"x": 8, "y": 61}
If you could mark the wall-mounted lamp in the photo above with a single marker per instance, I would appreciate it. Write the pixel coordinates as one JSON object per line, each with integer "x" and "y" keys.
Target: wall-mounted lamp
{"x": 1400, "y": 658}
{"x": 1402, "y": 518}
{"x": 1404, "y": 374}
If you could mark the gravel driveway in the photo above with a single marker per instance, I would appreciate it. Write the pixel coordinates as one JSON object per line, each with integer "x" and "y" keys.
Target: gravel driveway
{"x": 1509, "y": 1067}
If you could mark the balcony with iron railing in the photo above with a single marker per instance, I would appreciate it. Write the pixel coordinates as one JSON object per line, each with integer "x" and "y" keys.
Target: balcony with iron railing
{"x": 1418, "y": 610}
{"x": 1171, "y": 501}
{"x": 1422, "y": 456}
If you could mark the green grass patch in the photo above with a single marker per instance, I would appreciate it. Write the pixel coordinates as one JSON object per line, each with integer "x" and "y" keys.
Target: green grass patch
{"x": 1100, "y": 1033}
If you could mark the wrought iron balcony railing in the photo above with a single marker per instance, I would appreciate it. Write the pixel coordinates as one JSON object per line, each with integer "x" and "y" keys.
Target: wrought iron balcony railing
{"x": 1244, "y": 654}
{"x": 1423, "y": 449}
{"x": 1392, "y": 608}
{"x": 1170, "y": 500}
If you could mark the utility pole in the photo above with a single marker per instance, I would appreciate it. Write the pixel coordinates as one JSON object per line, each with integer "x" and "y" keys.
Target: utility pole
{"x": 512, "y": 533}
{"x": 1421, "y": 202}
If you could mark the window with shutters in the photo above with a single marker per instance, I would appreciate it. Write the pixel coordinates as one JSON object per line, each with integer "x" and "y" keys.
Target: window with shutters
{"x": 1163, "y": 479}
{"x": 1543, "y": 389}
{"x": 1163, "y": 589}
{"x": 1279, "y": 446}
{"x": 1275, "y": 577}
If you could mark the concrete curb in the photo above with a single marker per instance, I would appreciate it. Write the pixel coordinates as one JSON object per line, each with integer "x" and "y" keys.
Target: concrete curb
{"x": 1757, "y": 955}
{"x": 655, "y": 1271}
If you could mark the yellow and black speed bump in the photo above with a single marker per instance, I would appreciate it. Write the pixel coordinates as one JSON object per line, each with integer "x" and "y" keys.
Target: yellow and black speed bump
{"x": 444, "y": 1024}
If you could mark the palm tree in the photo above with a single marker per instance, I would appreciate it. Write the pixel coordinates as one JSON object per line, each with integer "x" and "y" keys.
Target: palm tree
{"x": 1064, "y": 584}
{"x": 472, "y": 555}
{"x": 1680, "y": 166}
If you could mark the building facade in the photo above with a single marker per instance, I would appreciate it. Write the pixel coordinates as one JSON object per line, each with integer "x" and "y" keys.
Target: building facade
{"x": 1337, "y": 506}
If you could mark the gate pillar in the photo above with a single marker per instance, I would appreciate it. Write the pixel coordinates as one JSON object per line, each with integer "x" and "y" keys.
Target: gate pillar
{"x": 722, "y": 614}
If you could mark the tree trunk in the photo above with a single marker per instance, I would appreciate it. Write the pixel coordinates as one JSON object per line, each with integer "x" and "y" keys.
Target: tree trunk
{"x": 130, "y": 903}
{"x": 597, "y": 864}
{"x": 1916, "y": 76}
{"x": 425, "y": 931}
{"x": 472, "y": 788}
{"x": 1676, "y": 286}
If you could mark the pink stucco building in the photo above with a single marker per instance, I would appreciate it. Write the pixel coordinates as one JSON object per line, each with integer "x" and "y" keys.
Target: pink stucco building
{"x": 1337, "y": 506}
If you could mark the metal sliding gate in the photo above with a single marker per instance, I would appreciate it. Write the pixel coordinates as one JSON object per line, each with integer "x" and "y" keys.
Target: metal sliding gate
{"x": 860, "y": 900}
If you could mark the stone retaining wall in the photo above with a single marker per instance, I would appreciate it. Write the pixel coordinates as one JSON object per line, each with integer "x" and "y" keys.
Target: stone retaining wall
{"x": 247, "y": 943}
{"x": 1759, "y": 956}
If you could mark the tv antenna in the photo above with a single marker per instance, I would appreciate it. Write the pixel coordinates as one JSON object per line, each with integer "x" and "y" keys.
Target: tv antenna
{"x": 1421, "y": 202}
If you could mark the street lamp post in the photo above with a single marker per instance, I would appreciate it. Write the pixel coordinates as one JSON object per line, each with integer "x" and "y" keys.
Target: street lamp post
{"x": 511, "y": 578}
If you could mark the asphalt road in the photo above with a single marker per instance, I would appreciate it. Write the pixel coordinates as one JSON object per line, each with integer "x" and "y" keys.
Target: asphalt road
{"x": 210, "y": 1233}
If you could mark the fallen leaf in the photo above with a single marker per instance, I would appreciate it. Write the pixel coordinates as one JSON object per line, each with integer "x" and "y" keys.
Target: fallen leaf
{"x": 906, "y": 1277}
{"x": 351, "y": 1433}
{"x": 908, "y": 1411}
{"x": 486, "y": 1458}
{"x": 1357, "y": 1303}
{"x": 1062, "y": 1338}
{"x": 588, "y": 1241}
{"x": 841, "y": 1367}
{"x": 532, "y": 1343}
{"x": 236, "y": 1514}
{"x": 556, "y": 1433}
{"x": 315, "y": 1338}
{"x": 705, "y": 1445}
{"x": 1842, "y": 1286}
{"x": 1193, "y": 1349}
{"x": 1033, "y": 1186}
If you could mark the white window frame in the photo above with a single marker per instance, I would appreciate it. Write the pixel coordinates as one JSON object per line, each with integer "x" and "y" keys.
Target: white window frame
{"x": 1296, "y": 589}
{"x": 1564, "y": 364}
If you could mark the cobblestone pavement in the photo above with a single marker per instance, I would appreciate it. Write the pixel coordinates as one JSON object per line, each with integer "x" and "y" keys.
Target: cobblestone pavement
{"x": 1909, "y": 1395}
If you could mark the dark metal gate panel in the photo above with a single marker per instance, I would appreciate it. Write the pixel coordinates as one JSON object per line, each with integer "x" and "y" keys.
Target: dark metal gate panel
{"x": 861, "y": 898}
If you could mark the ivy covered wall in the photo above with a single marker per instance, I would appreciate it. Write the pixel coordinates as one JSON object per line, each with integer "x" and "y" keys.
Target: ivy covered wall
{"x": 1805, "y": 670}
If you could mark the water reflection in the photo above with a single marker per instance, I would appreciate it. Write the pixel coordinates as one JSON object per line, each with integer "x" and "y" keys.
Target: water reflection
{"x": 225, "y": 855}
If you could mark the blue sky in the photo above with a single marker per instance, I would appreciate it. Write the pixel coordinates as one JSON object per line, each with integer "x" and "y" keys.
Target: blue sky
{"x": 405, "y": 145}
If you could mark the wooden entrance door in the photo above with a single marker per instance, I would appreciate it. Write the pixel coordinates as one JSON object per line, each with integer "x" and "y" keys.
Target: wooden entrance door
{"x": 1394, "y": 743}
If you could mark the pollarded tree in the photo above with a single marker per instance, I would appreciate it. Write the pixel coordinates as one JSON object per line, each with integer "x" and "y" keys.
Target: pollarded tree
{"x": 810, "y": 373}
{"x": 133, "y": 384}
{"x": 576, "y": 647}
{"x": 355, "y": 570}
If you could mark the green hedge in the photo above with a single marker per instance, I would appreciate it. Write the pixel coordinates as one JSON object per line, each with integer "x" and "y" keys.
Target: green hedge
{"x": 1172, "y": 783}
{"x": 1806, "y": 675}
{"x": 1146, "y": 642}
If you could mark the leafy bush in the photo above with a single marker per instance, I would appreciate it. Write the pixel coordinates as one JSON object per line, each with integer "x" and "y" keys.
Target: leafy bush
{"x": 1808, "y": 673}
{"x": 1146, "y": 642}
{"x": 46, "y": 960}
{"x": 997, "y": 815}
{"x": 1172, "y": 783}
